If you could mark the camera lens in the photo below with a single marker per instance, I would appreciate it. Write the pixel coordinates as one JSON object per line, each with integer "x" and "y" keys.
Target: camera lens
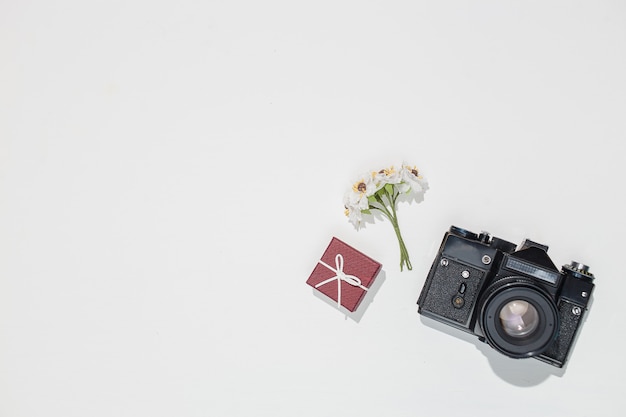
{"x": 518, "y": 318}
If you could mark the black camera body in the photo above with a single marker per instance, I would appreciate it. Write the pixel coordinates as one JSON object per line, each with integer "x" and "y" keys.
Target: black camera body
{"x": 515, "y": 299}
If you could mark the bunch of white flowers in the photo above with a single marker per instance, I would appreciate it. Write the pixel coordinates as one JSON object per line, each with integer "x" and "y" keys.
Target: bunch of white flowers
{"x": 381, "y": 190}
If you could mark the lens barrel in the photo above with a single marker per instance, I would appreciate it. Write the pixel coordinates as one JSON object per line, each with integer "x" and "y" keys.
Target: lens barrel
{"x": 518, "y": 318}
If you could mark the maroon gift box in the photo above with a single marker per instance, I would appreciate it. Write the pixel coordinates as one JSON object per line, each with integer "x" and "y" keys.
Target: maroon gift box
{"x": 344, "y": 274}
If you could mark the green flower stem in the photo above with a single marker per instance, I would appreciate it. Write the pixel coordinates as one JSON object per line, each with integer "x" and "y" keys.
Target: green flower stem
{"x": 392, "y": 200}
{"x": 393, "y": 218}
{"x": 383, "y": 206}
{"x": 404, "y": 253}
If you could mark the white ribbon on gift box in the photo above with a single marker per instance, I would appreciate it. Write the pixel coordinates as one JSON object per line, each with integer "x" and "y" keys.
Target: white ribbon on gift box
{"x": 340, "y": 276}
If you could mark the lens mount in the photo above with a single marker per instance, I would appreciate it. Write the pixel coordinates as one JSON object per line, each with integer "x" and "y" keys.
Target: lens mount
{"x": 518, "y": 318}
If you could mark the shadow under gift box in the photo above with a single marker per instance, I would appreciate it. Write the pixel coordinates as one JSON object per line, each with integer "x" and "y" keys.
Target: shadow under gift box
{"x": 344, "y": 274}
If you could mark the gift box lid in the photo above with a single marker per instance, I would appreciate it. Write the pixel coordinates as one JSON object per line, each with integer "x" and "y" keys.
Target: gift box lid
{"x": 344, "y": 274}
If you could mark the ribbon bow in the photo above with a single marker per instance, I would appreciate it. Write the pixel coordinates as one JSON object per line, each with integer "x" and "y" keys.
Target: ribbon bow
{"x": 340, "y": 276}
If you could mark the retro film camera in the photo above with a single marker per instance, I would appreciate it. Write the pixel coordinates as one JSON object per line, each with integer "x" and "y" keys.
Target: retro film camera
{"x": 516, "y": 300}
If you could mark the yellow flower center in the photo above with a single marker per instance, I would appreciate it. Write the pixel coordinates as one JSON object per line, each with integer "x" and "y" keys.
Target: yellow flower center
{"x": 386, "y": 171}
{"x": 359, "y": 187}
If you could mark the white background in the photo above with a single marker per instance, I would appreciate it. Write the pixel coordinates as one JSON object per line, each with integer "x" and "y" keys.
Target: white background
{"x": 170, "y": 172}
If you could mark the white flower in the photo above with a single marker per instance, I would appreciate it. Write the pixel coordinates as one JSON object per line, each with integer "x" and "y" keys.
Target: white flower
{"x": 365, "y": 185}
{"x": 355, "y": 203}
{"x": 355, "y": 216}
{"x": 387, "y": 176}
{"x": 411, "y": 177}
{"x": 355, "y": 200}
